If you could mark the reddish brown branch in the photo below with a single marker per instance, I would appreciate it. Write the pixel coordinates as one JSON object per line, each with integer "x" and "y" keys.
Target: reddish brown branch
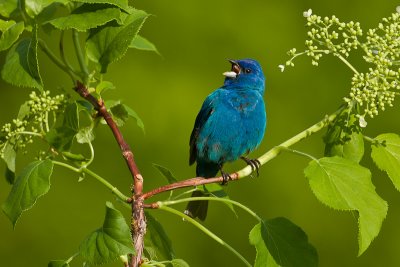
{"x": 138, "y": 218}
{"x": 187, "y": 183}
{"x": 102, "y": 111}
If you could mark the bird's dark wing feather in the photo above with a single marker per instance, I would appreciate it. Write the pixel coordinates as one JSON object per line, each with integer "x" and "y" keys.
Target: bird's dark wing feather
{"x": 201, "y": 119}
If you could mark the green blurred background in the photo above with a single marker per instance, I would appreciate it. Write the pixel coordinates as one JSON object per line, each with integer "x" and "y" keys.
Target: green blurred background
{"x": 195, "y": 38}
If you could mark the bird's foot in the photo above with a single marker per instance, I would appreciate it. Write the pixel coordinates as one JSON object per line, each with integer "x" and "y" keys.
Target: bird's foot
{"x": 255, "y": 164}
{"x": 226, "y": 177}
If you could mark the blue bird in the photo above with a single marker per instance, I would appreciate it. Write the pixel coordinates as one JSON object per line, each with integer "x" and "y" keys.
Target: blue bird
{"x": 231, "y": 123}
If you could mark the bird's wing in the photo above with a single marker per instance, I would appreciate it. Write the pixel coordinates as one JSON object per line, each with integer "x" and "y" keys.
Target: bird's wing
{"x": 201, "y": 119}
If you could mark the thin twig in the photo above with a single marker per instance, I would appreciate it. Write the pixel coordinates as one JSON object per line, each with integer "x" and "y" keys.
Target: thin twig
{"x": 188, "y": 183}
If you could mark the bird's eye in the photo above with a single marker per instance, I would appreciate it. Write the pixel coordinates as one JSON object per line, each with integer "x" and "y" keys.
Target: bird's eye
{"x": 247, "y": 70}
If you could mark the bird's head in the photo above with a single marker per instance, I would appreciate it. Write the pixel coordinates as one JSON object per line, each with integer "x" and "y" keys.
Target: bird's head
{"x": 245, "y": 73}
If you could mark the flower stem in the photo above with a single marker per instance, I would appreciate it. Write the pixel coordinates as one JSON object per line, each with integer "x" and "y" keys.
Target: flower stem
{"x": 299, "y": 153}
{"x": 71, "y": 258}
{"x": 113, "y": 189}
{"x": 347, "y": 63}
{"x": 81, "y": 58}
{"x": 31, "y": 133}
{"x": 369, "y": 139}
{"x": 240, "y": 205}
{"x": 46, "y": 122}
{"x": 65, "y": 165}
{"x": 91, "y": 156}
{"x": 55, "y": 60}
{"x": 62, "y": 53}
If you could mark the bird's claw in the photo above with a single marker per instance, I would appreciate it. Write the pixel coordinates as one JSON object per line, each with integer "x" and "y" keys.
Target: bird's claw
{"x": 255, "y": 164}
{"x": 225, "y": 177}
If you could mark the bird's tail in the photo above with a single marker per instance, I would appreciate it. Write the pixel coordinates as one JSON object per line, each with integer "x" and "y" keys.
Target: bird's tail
{"x": 198, "y": 209}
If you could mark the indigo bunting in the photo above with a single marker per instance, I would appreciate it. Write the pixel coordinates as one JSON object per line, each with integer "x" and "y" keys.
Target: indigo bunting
{"x": 231, "y": 123}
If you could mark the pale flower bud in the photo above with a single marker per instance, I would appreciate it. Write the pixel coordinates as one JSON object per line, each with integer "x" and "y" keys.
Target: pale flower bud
{"x": 307, "y": 13}
{"x": 362, "y": 122}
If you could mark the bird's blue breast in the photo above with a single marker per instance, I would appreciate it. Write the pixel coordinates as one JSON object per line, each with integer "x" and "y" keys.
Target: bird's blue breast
{"x": 235, "y": 126}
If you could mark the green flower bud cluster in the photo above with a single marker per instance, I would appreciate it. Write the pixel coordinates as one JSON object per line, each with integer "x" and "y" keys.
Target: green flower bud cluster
{"x": 372, "y": 91}
{"x": 382, "y": 43}
{"x": 33, "y": 121}
{"x": 328, "y": 36}
{"x": 41, "y": 106}
{"x": 375, "y": 89}
{"x": 332, "y": 35}
{"x": 14, "y": 133}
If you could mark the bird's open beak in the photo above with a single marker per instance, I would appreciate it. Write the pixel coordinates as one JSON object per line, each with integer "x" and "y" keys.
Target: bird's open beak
{"x": 235, "y": 70}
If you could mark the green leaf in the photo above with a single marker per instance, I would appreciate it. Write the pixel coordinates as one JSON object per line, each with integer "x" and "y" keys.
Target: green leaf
{"x": 179, "y": 263}
{"x": 279, "y": 242}
{"x": 353, "y": 149}
{"x": 9, "y": 156}
{"x": 21, "y": 67}
{"x": 344, "y": 185}
{"x": 9, "y": 8}
{"x": 71, "y": 116}
{"x": 35, "y": 7}
{"x": 123, "y": 4}
{"x": 10, "y": 34}
{"x": 10, "y": 176}
{"x": 166, "y": 173}
{"x": 156, "y": 238}
{"x": 84, "y": 105}
{"x": 24, "y": 111}
{"x": 74, "y": 157}
{"x": 263, "y": 257}
{"x": 32, "y": 183}
{"x": 61, "y": 263}
{"x": 386, "y": 155}
{"x": 85, "y": 135}
{"x": 62, "y": 136}
{"x": 122, "y": 112}
{"x": 142, "y": 43}
{"x": 81, "y": 177}
{"x": 344, "y": 138}
{"x": 6, "y": 24}
{"x": 104, "y": 86}
{"x": 287, "y": 243}
{"x": 111, "y": 103}
{"x": 133, "y": 114}
{"x": 150, "y": 252}
{"x": 108, "y": 43}
{"x": 58, "y": 263}
{"x": 110, "y": 241}
{"x": 87, "y": 17}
